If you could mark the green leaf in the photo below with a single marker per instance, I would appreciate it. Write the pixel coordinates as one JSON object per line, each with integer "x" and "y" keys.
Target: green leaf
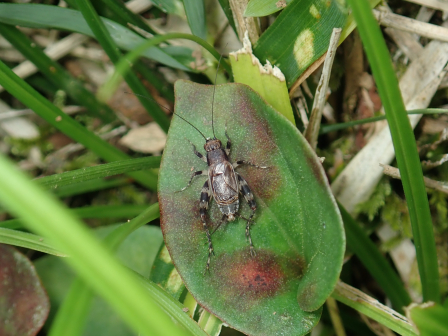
{"x": 300, "y": 35}
{"x": 297, "y": 232}
{"x": 264, "y": 7}
{"x": 24, "y": 304}
{"x": 430, "y": 319}
{"x": 267, "y": 81}
{"x": 44, "y": 16}
{"x": 196, "y": 17}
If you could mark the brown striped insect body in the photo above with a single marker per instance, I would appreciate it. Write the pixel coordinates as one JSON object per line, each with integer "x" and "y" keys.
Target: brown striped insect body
{"x": 223, "y": 183}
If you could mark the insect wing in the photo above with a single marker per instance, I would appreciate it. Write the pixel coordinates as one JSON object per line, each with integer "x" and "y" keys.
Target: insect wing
{"x": 224, "y": 183}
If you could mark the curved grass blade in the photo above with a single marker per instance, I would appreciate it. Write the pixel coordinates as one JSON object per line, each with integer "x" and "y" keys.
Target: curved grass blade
{"x": 123, "y": 66}
{"x": 27, "y": 95}
{"x": 405, "y": 148}
{"x": 104, "y": 38}
{"x": 100, "y": 211}
{"x": 96, "y": 172}
{"x": 56, "y": 73}
{"x": 30, "y": 241}
{"x": 126, "y": 15}
{"x": 44, "y": 16}
{"x": 71, "y": 316}
{"x": 44, "y": 215}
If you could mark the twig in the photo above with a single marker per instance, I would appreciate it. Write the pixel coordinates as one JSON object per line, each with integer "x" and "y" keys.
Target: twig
{"x": 412, "y": 26}
{"x": 430, "y": 183}
{"x": 312, "y": 131}
{"x": 436, "y": 4}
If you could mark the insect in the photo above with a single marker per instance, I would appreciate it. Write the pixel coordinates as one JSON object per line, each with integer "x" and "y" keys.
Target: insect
{"x": 223, "y": 183}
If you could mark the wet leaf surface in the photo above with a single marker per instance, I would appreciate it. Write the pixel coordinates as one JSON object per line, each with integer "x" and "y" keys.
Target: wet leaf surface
{"x": 297, "y": 232}
{"x": 24, "y": 304}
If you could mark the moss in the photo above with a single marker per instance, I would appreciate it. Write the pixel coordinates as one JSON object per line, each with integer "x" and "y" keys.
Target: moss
{"x": 396, "y": 214}
{"x": 371, "y": 207}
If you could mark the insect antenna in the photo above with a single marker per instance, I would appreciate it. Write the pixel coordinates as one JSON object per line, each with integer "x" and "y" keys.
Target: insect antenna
{"x": 213, "y": 99}
{"x": 166, "y": 108}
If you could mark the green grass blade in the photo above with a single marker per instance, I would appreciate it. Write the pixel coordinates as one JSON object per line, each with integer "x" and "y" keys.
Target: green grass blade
{"x": 56, "y": 73}
{"x": 430, "y": 319}
{"x": 99, "y": 211}
{"x": 73, "y": 313}
{"x": 121, "y": 11}
{"x": 53, "y": 115}
{"x": 405, "y": 148}
{"x": 92, "y": 185}
{"x": 29, "y": 240}
{"x": 104, "y": 38}
{"x": 196, "y": 17}
{"x": 123, "y": 66}
{"x": 171, "y": 306}
{"x": 70, "y": 317}
{"x": 44, "y": 16}
{"x": 336, "y": 127}
{"x": 374, "y": 261}
{"x": 45, "y": 215}
{"x": 96, "y": 172}
{"x": 225, "y": 5}
{"x": 370, "y": 307}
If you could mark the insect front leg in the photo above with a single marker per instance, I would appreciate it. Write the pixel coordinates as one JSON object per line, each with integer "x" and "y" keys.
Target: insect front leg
{"x": 196, "y": 173}
{"x": 199, "y": 155}
{"x": 229, "y": 143}
{"x": 203, "y": 206}
{"x": 247, "y": 193}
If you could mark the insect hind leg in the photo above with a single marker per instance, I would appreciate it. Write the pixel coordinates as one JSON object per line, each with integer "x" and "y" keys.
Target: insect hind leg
{"x": 241, "y": 162}
{"x": 247, "y": 193}
{"x": 203, "y": 206}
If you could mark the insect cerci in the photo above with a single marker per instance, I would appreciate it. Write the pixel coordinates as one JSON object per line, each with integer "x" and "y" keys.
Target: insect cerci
{"x": 223, "y": 183}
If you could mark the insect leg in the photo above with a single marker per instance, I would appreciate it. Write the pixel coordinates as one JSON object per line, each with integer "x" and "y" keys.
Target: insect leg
{"x": 229, "y": 143}
{"x": 241, "y": 162}
{"x": 203, "y": 206}
{"x": 196, "y": 173}
{"x": 199, "y": 155}
{"x": 247, "y": 193}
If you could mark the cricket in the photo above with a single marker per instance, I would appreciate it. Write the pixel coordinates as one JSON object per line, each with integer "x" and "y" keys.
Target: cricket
{"x": 223, "y": 183}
